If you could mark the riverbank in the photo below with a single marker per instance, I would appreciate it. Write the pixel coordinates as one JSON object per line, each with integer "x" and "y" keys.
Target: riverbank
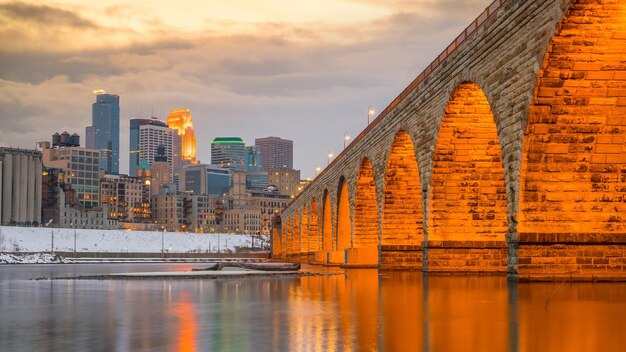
{"x": 41, "y": 239}
{"x": 89, "y": 258}
{"x": 34, "y": 258}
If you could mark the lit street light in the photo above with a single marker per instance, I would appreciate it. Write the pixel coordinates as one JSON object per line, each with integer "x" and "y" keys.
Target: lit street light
{"x": 370, "y": 113}
{"x": 346, "y": 138}
{"x": 317, "y": 170}
{"x": 330, "y": 156}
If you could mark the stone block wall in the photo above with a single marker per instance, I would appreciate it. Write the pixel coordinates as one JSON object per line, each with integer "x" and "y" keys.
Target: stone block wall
{"x": 401, "y": 257}
{"x": 571, "y": 256}
{"x": 487, "y": 257}
{"x": 365, "y": 209}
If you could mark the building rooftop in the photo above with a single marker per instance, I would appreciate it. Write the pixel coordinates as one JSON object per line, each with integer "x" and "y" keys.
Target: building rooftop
{"x": 228, "y": 140}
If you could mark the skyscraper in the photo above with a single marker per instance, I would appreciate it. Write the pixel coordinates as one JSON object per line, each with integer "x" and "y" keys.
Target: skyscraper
{"x": 135, "y": 123}
{"x": 275, "y": 152}
{"x": 152, "y": 137}
{"x": 229, "y": 153}
{"x": 180, "y": 120}
{"x": 104, "y": 132}
{"x": 184, "y": 152}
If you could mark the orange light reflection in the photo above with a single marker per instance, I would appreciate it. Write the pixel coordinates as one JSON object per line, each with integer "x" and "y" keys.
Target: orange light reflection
{"x": 188, "y": 326}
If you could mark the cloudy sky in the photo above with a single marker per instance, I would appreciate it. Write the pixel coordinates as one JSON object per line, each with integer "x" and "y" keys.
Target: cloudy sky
{"x": 298, "y": 69}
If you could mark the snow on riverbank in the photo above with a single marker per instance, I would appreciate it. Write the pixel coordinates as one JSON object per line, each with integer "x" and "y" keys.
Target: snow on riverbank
{"x": 41, "y": 239}
{"x": 39, "y": 258}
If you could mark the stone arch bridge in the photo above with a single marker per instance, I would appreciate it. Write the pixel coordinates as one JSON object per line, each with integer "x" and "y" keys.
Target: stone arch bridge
{"x": 506, "y": 155}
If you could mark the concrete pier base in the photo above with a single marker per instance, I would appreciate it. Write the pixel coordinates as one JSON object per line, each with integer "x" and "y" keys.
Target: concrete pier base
{"x": 361, "y": 258}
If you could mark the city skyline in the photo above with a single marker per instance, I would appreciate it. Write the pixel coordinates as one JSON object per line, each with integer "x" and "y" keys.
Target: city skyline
{"x": 286, "y": 72}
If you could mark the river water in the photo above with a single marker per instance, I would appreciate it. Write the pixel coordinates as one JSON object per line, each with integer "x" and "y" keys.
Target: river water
{"x": 358, "y": 310}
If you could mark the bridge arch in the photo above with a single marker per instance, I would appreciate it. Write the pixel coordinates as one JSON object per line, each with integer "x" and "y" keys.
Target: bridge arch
{"x": 314, "y": 237}
{"x": 305, "y": 246}
{"x": 327, "y": 224}
{"x": 366, "y": 231}
{"x": 297, "y": 235}
{"x": 402, "y": 220}
{"x": 343, "y": 228}
{"x": 467, "y": 187}
{"x": 289, "y": 241}
{"x": 468, "y": 211}
{"x": 573, "y": 175}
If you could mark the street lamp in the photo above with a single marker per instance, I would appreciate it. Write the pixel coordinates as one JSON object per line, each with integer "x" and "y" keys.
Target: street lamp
{"x": 346, "y": 138}
{"x": 370, "y": 113}
{"x": 330, "y": 156}
{"x": 317, "y": 170}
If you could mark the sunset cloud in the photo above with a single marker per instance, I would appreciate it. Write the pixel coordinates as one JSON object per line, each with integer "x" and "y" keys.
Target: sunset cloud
{"x": 309, "y": 79}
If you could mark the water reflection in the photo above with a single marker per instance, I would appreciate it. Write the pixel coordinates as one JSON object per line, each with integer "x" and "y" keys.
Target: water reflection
{"x": 184, "y": 311}
{"x": 581, "y": 317}
{"x": 402, "y": 308}
{"x": 467, "y": 313}
{"x": 358, "y": 310}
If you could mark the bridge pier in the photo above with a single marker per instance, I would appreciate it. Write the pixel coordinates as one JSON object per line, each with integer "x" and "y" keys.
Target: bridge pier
{"x": 336, "y": 258}
{"x": 361, "y": 258}
{"x": 293, "y": 258}
{"x": 466, "y": 256}
{"x": 307, "y": 257}
{"x": 569, "y": 256}
{"x": 401, "y": 257}
{"x": 320, "y": 258}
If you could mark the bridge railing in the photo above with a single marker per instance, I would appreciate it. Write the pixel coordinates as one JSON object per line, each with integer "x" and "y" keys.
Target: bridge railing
{"x": 493, "y": 8}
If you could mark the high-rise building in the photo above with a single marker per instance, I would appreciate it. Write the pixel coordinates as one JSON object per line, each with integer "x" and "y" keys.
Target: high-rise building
{"x": 229, "y": 153}
{"x": 151, "y": 138}
{"x": 135, "y": 124}
{"x": 184, "y": 149}
{"x": 180, "y": 120}
{"x": 206, "y": 179}
{"x": 104, "y": 132}
{"x": 20, "y": 186}
{"x": 80, "y": 168}
{"x": 275, "y": 152}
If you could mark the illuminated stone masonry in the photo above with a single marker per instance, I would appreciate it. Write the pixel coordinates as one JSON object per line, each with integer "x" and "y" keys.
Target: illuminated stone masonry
{"x": 506, "y": 155}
